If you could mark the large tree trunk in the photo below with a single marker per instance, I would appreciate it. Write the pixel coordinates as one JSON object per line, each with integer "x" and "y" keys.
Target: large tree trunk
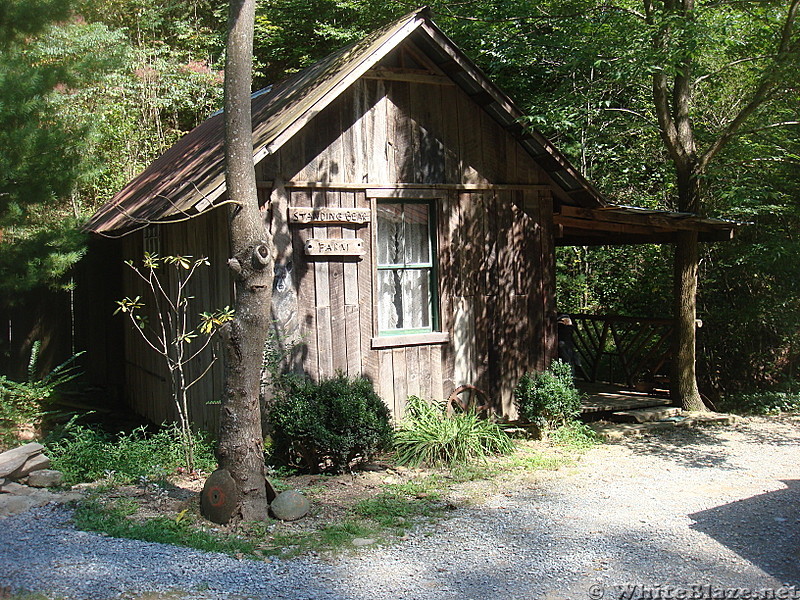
{"x": 240, "y": 436}
{"x": 684, "y": 387}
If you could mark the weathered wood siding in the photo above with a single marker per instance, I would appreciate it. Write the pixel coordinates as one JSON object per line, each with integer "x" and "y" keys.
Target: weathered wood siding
{"x": 494, "y": 245}
{"x": 146, "y": 376}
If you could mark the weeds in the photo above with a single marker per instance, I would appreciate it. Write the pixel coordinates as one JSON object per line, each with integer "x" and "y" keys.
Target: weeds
{"x": 428, "y": 436}
{"x": 86, "y": 454}
{"x": 576, "y": 435}
{"x": 113, "y": 519}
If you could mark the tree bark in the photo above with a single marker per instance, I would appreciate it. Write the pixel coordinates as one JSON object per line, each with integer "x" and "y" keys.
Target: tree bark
{"x": 240, "y": 437}
{"x": 684, "y": 387}
{"x": 685, "y": 264}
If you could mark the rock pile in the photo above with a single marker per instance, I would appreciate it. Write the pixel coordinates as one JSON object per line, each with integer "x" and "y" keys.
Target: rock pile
{"x": 23, "y": 473}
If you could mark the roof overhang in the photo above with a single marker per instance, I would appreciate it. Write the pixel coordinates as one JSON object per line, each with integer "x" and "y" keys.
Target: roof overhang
{"x": 615, "y": 225}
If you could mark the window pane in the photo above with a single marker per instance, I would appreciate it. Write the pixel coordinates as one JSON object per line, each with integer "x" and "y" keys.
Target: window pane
{"x": 417, "y": 234}
{"x": 390, "y": 300}
{"x": 390, "y": 234}
{"x": 416, "y": 299}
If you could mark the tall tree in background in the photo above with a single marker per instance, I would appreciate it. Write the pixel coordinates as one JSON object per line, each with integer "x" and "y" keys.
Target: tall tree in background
{"x": 676, "y": 30}
{"x": 240, "y": 436}
{"x": 39, "y": 153}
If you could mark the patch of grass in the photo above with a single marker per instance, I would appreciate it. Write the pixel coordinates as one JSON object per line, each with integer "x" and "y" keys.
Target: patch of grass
{"x": 330, "y": 539}
{"x": 397, "y": 508}
{"x": 114, "y": 520}
{"x": 575, "y": 435}
{"x": 537, "y": 462}
{"x": 86, "y": 454}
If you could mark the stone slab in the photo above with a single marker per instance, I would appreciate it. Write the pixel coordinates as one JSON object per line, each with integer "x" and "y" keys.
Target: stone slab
{"x": 34, "y": 463}
{"x": 45, "y": 478}
{"x": 12, "y": 460}
{"x": 645, "y": 415}
{"x": 617, "y": 431}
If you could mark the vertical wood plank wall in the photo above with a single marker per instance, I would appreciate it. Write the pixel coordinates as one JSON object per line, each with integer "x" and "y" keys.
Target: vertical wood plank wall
{"x": 145, "y": 374}
{"x": 495, "y": 268}
{"x": 495, "y": 247}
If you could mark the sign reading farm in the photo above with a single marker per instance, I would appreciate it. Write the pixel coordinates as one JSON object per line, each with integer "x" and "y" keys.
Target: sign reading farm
{"x": 334, "y": 247}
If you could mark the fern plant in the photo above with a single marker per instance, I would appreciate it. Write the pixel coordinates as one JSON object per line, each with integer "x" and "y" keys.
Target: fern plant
{"x": 23, "y": 402}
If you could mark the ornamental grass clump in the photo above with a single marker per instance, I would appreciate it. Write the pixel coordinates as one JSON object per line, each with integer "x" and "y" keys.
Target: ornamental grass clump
{"x": 548, "y": 398}
{"x": 428, "y": 436}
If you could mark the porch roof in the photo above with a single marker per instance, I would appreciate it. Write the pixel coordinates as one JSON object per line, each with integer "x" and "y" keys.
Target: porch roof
{"x": 615, "y": 225}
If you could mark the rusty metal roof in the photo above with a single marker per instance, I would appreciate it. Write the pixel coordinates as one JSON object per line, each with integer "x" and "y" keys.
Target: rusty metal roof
{"x": 189, "y": 177}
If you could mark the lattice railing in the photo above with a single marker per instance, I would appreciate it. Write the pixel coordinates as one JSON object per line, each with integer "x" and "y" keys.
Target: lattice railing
{"x": 625, "y": 350}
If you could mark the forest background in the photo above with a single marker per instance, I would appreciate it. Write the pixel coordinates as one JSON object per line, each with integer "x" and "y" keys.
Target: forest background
{"x": 91, "y": 91}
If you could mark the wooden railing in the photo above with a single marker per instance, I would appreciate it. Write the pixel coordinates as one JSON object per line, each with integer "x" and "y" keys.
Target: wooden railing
{"x": 631, "y": 351}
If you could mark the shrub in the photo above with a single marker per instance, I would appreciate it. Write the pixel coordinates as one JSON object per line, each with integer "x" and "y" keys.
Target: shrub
{"x": 548, "y": 398}
{"x": 86, "y": 454}
{"x": 761, "y": 403}
{"x": 428, "y": 436}
{"x": 328, "y": 424}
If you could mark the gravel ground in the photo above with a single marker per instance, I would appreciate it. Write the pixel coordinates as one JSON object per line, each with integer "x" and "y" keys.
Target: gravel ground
{"x": 654, "y": 517}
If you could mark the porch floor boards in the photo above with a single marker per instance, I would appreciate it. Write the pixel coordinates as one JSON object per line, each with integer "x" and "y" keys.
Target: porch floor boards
{"x": 598, "y": 397}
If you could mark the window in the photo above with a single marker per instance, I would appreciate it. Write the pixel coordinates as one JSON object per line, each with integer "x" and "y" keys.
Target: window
{"x": 406, "y": 285}
{"x": 152, "y": 239}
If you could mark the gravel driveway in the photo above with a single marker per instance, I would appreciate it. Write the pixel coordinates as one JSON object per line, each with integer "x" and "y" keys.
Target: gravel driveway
{"x": 685, "y": 514}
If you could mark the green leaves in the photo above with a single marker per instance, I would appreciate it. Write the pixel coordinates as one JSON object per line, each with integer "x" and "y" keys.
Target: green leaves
{"x": 212, "y": 321}
{"x": 428, "y": 436}
{"x": 329, "y": 423}
{"x": 548, "y": 398}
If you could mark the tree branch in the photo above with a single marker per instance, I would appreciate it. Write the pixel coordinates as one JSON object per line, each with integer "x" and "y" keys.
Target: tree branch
{"x": 729, "y": 65}
{"x": 763, "y": 90}
{"x": 771, "y": 126}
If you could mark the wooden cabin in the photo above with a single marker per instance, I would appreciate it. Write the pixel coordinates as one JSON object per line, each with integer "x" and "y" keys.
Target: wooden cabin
{"x": 414, "y": 217}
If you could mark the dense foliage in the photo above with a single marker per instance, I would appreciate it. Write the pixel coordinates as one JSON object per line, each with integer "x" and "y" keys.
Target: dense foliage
{"x": 429, "y": 436}
{"x": 328, "y": 424}
{"x": 548, "y": 398}
{"x": 100, "y": 88}
{"x": 88, "y": 454}
{"x": 24, "y": 403}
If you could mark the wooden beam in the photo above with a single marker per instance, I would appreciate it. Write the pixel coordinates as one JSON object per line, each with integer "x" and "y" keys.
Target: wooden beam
{"x": 409, "y": 75}
{"x": 614, "y": 240}
{"x": 585, "y": 226}
{"x": 319, "y": 185}
{"x": 664, "y": 220}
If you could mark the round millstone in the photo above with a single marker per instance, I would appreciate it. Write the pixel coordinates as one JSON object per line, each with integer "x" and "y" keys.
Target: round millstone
{"x": 219, "y": 497}
{"x": 289, "y": 506}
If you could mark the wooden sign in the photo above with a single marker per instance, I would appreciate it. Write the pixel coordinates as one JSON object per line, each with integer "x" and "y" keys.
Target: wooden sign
{"x": 301, "y": 215}
{"x": 334, "y": 247}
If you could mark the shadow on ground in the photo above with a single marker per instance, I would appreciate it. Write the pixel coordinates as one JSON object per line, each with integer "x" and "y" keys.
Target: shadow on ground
{"x": 763, "y": 529}
{"x": 688, "y": 447}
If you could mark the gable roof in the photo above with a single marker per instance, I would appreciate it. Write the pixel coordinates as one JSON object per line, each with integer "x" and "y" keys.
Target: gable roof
{"x": 190, "y": 175}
